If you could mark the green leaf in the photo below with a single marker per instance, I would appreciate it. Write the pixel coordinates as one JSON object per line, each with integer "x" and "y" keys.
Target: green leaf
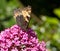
{"x": 57, "y": 12}
{"x": 52, "y": 20}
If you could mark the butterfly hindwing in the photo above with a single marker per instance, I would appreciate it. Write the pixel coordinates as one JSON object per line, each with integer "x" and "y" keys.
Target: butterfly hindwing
{"x": 21, "y": 22}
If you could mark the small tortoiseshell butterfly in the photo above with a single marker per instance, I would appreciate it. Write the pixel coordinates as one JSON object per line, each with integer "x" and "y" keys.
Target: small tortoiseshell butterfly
{"x": 22, "y": 17}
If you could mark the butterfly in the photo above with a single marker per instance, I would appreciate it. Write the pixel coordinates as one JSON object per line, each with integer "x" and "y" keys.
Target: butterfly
{"x": 22, "y": 17}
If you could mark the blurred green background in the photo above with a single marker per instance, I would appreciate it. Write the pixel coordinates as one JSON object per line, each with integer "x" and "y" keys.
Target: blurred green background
{"x": 45, "y": 19}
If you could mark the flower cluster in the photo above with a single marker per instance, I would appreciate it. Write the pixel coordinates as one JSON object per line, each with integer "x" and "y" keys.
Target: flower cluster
{"x": 15, "y": 39}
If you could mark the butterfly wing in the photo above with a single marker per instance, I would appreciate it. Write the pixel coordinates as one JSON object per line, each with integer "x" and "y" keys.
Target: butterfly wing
{"x": 21, "y": 22}
{"x": 22, "y": 17}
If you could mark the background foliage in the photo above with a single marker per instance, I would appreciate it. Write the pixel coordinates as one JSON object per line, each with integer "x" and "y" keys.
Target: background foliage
{"x": 45, "y": 19}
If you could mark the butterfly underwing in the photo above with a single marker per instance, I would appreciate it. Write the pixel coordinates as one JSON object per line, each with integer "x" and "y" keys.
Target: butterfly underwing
{"x": 22, "y": 17}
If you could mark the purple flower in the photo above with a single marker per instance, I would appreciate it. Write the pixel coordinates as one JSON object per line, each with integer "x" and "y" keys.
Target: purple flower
{"x": 16, "y": 39}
